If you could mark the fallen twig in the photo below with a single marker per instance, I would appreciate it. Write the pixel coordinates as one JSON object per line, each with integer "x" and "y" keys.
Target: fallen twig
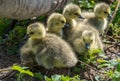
{"x": 89, "y": 75}
{"x": 114, "y": 43}
{"x": 112, "y": 52}
{"x": 88, "y": 65}
{"x": 113, "y": 37}
{"x": 8, "y": 75}
{"x": 6, "y": 69}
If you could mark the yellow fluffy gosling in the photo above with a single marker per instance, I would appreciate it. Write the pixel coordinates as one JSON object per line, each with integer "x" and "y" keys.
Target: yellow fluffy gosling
{"x": 55, "y": 23}
{"x": 99, "y": 19}
{"x": 85, "y": 38}
{"x": 71, "y": 12}
{"x": 51, "y": 51}
{"x": 85, "y": 42}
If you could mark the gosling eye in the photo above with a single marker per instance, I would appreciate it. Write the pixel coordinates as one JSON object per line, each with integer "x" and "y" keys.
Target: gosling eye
{"x": 76, "y": 13}
{"x": 62, "y": 22}
{"x": 31, "y": 33}
{"x": 105, "y": 12}
{"x": 91, "y": 41}
{"x": 83, "y": 39}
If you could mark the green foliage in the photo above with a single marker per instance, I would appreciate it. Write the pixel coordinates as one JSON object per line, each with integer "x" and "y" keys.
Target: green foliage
{"x": 4, "y": 23}
{"x": 115, "y": 25}
{"x": 22, "y": 70}
{"x": 39, "y": 76}
{"x": 63, "y": 78}
{"x": 114, "y": 68}
{"x": 77, "y": 69}
{"x": 92, "y": 55}
{"x": 85, "y": 4}
{"x": 114, "y": 75}
{"x": 10, "y": 44}
{"x": 117, "y": 16}
{"x": 25, "y": 71}
{"x": 115, "y": 29}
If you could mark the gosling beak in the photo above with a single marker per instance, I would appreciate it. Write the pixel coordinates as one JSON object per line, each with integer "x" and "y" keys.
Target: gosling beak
{"x": 81, "y": 17}
{"x": 110, "y": 16}
{"x": 66, "y": 25}
{"x": 87, "y": 45}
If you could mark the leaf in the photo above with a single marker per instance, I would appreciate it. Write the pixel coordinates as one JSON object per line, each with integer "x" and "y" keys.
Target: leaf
{"x": 103, "y": 65}
{"x": 118, "y": 60}
{"x": 110, "y": 73}
{"x": 97, "y": 78}
{"x": 21, "y": 70}
{"x": 66, "y": 78}
{"x": 118, "y": 67}
{"x": 76, "y": 69}
{"x": 101, "y": 61}
{"x": 113, "y": 63}
{"x": 28, "y": 72}
{"x": 116, "y": 75}
{"x": 56, "y": 77}
{"x": 77, "y": 78}
{"x": 48, "y": 79}
{"x": 39, "y": 76}
{"x": 17, "y": 68}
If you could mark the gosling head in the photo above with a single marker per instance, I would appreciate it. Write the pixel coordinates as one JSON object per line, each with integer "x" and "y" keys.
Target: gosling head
{"x": 72, "y": 11}
{"x": 36, "y": 31}
{"x": 102, "y": 10}
{"x": 56, "y": 22}
{"x": 88, "y": 38}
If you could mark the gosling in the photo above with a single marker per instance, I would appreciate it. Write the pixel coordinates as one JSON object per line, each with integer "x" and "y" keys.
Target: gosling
{"x": 27, "y": 56}
{"x": 71, "y": 12}
{"x": 49, "y": 49}
{"x": 55, "y": 23}
{"x": 82, "y": 36}
{"x": 85, "y": 42}
{"x": 99, "y": 19}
